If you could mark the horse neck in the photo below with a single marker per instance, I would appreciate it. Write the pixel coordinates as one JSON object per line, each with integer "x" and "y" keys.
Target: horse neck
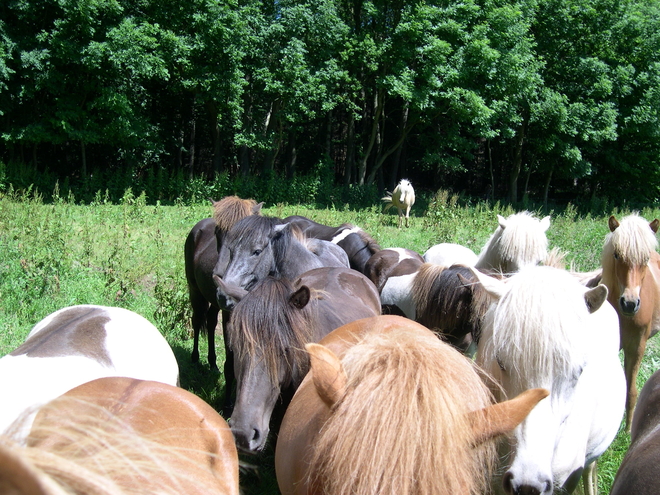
{"x": 291, "y": 258}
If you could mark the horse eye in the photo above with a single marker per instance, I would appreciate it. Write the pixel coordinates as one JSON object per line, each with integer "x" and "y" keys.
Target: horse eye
{"x": 257, "y": 252}
{"x": 499, "y": 363}
{"x": 616, "y": 255}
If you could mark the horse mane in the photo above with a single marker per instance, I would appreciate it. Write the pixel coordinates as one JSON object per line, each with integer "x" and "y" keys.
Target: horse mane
{"x": 404, "y": 417}
{"x": 230, "y": 210}
{"x": 96, "y": 453}
{"x": 632, "y": 240}
{"x": 371, "y": 243}
{"x": 523, "y": 239}
{"x": 449, "y": 299}
{"x": 264, "y": 325}
{"x": 538, "y": 328}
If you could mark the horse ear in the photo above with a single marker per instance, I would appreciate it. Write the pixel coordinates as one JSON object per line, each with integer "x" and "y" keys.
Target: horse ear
{"x": 256, "y": 209}
{"x": 327, "y": 372}
{"x": 503, "y": 417}
{"x": 654, "y": 225}
{"x": 494, "y": 287}
{"x": 595, "y": 297}
{"x": 301, "y": 297}
{"x": 613, "y": 223}
{"x": 545, "y": 223}
{"x": 280, "y": 229}
{"x": 501, "y": 221}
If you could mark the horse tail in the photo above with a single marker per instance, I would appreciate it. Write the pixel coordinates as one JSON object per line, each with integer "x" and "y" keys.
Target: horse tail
{"x": 402, "y": 424}
{"x": 388, "y": 201}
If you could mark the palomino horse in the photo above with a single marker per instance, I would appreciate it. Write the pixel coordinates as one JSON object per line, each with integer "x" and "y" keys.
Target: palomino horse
{"x": 548, "y": 330}
{"x": 257, "y": 247}
{"x": 631, "y": 272}
{"x": 119, "y": 435}
{"x": 201, "y": 255}
{"x": 270, "y": 327}
{"x": 75, "y": 345}
{"x": 518, "y": 241}
{"x": 638, "y": 472}
{"x": 402, "y": 199}
{"x": 359, "y": 245}
{"x": 387, "y": 409}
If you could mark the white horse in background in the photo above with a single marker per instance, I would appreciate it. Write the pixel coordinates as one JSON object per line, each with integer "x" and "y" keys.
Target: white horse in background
{"x": 518, "y": 241}
{"x": 402, "y": 198}
{"x": 548, "y": 330}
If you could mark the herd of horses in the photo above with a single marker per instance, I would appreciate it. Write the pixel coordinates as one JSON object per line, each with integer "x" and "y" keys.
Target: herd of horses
{"x": 373, "y": 371}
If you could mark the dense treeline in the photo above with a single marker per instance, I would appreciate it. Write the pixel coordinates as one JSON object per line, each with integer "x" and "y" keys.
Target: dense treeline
{"x": 496, "y": 98}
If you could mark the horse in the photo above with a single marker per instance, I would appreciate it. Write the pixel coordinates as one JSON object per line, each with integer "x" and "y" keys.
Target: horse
{"x": 118, "y": 435}
{"x": 631, "y": 272}
{"x": 387, "y": 408}
{"x": 201, "y": 255}
{"x": 270, "y": 326}
{"x": 392, "y": 271}
{"x": 359, "y": 245}
{"x": 257, "y": 246}
{"x": 519, "y": 240}
{"x": 402, "y": 198}
{"x": 637, "y": 472}
{"x": 547, "y": 330}
{"x": 72, "y": 346}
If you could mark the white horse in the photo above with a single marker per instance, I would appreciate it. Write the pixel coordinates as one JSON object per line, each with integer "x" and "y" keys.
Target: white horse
{"x": 75, "y": 345}
{"x": 548, "y": 330}
{"x": 402, "y": 198}
{"x": 518, "y": 241}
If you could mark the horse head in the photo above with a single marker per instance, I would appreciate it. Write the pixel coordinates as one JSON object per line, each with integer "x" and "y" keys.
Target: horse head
{"x": 267, "y": 338}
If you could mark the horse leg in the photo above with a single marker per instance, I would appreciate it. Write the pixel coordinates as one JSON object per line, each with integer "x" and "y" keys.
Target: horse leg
{"x": 211, "y": 323}
{"x": 200, "y": 308}
{"x": 633, "y": 352}
{"x": 407, "y": 214}
{"x": 228, "y": 369}
{"x": 590, "y": 479}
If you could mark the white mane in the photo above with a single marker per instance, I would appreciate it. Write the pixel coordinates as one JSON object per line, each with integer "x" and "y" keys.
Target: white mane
{"x": 633, "y": 240}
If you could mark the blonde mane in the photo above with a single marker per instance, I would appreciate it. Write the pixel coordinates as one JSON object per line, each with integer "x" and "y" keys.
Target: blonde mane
{"x": 230, "y": 210}
{"x": 522, "y": 242}
{"x": 633, "y": 241}
{"x": 538, "y": 328}
{"x": 402, "y": 426}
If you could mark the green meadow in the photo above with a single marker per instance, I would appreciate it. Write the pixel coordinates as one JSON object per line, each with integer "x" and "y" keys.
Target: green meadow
{"x": 130, "y": 254}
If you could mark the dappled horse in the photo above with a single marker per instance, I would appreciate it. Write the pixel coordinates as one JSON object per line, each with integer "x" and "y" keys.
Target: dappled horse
{"x": 518, "y": 241}
{"x": 118, "y": 435}
{"x": 402, "y": 198}
{"x": 631, "y": 272}
{"x": 548, "y": 330}
{"x": 201, "y": 255}
{"x": 359, "y": 245}
{"x": 271, "y": 325}
{"x": 256, "y": 247}
{"x": 389, "y": 409}
{"x": 638, "y": 472}
{"x": 75, "y": 345}
{"x": 392, "y": 271}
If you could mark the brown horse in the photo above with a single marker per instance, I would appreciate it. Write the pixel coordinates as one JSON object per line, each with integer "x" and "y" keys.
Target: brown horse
{"x": 631, "y": 272}
{"x": 271, "y": 325}
{"x": 388, "y": 408}
{"x": 201, "y": 255}
{"x": 123, "y": 436}
{"x": 638, "y": 472}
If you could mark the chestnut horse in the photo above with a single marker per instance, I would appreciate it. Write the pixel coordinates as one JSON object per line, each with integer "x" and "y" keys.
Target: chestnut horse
{"x": 518, "y": 241}
{"x": 120, "y": 435}
{"x": 271, "y": 325}
{"x": 631, "y": 272}
{"x": 638, "y": 472}
{"x": 387, "y": 409}
{"x": 201, "y": 255}
{"x": 548, "y": 330}
{"x": 75, "y": 345}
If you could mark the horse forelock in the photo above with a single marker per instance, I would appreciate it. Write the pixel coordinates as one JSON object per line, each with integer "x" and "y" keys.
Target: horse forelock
{"x": 251, "y": 229}
{"x": 230, "y": 210}
{"x": 633, "y": 241}
{"x": 538, "y": 330}
{"x": 265, "y": 326}
{"x": 522, "y": 242}
{"x": 407, "y": 401}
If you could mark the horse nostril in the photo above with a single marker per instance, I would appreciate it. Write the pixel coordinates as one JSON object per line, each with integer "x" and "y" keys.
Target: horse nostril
{"x": 256, "y": 435}
{"x": 628, "y": 306}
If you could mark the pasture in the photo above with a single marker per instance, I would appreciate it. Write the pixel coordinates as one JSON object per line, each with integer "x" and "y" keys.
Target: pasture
{"x": 130, "y": 254}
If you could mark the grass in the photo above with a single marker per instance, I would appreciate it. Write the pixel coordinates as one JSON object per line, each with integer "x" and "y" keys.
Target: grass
{"x": 131, "y": 255}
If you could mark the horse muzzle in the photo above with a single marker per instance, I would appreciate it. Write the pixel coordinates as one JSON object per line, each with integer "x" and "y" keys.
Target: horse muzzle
{"x": 629, "y": 307}
{"x": 540, "y": 486}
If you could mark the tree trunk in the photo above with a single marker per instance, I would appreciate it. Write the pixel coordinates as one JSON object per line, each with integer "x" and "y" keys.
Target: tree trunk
{"x": 84, "y": 158}
{"x": 492, "y": 175}
{"x": 350, "y": 151}
{"x": 546, "y": 189}
{"x": 215, "y": 136}
{"x": 517, "y": 162}
{"x": 395, "y": 147}
{"x": 378, "y": 110}
{"x": 397, "y": 157}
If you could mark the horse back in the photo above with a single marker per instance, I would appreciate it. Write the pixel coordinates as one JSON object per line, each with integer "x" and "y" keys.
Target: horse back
{"x": 200, "y": 256}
